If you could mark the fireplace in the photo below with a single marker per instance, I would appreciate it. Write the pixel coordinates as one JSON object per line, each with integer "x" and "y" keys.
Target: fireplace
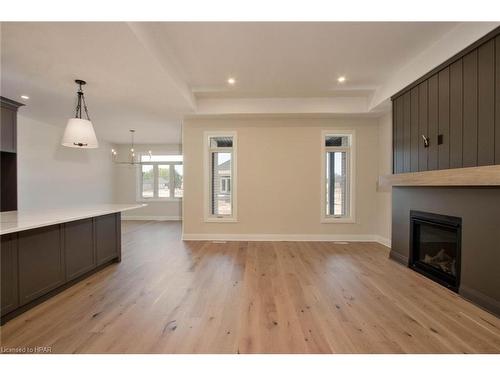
{"x": 435, "y": 242}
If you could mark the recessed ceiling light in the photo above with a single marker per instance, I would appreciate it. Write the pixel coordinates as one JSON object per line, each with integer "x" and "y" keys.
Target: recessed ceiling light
{"x": 231, "y": 81}
{"x": 25, "y": 97}
{"x": 341, "y": 79}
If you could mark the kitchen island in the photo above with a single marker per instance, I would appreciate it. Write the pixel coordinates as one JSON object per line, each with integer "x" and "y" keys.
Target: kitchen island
{"x": 45, "y": 251}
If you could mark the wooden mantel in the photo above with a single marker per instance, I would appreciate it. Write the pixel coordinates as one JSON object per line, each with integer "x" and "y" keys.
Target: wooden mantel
{"x": 474, "y": 176}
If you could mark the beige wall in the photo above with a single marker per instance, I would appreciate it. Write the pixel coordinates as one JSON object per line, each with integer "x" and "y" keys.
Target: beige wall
{"x": 279, "y": 164}
{"x": 384, "y": 201}
{"x": 50, "y": 175}
{"x": 125, "y": 186}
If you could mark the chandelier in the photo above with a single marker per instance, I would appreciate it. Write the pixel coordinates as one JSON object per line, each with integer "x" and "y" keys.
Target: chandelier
{"x": 131, "y": 160}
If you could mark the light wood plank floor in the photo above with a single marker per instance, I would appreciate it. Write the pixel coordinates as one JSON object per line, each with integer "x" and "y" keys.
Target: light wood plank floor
{"x": 169, "y": 296}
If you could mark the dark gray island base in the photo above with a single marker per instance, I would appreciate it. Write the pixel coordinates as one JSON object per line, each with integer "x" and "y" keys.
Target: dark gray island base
{"x": 38, "y": 263}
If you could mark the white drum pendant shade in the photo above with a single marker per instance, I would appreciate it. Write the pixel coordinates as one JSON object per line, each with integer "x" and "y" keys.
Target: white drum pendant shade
{"x": 79, "y": 133}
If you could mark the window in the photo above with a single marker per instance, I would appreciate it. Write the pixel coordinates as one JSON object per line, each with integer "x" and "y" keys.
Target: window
{"x": 178, "y": 180}
{"x": 147, "y": 181}
{"x": 220, "y": 176}
{"x": 225, "y": 184}
{"x": 160, "y": 177}
{"x": 336, "y": 177}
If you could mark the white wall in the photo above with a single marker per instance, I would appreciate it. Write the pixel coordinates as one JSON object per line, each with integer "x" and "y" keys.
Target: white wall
{"x": 50, "y": 175}
{"x": 464, "y": 34}
{"x": 384, "y": 195}
{"x": 125, "y": 184}
{"x": 279, "y": 165}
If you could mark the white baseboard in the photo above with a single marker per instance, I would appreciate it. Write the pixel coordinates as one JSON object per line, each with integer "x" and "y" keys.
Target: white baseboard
{"x": 152, "y": 218}
{"x": 383, "y": 241}
{"x": 285, "y": 237}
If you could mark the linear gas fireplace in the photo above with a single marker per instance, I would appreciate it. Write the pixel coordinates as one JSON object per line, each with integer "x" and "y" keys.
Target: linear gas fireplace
{"x": 435, "y": 242}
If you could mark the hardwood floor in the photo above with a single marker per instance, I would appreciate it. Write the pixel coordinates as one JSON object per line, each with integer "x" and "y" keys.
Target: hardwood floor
{"x": 170, "y": 296}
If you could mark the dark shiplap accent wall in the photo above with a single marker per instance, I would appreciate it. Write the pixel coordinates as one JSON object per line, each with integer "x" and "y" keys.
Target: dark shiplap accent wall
{"x": 458, "y": 101}
{"x": 423, "y": 124}
{"x": 486, "y": 104}
{"x": 497, "y": 100}
{"x": 456, "y": 116}
{"x": 433, "y": 116}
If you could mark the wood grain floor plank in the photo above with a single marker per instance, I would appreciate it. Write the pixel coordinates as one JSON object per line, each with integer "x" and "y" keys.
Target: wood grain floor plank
{"x": 171, "y": 296}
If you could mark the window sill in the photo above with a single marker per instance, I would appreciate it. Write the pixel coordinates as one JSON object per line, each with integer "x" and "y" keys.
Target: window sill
{"x": 340, "y": 220}
{"x": 221, "y": 220}
{"x": 146, "y": 200}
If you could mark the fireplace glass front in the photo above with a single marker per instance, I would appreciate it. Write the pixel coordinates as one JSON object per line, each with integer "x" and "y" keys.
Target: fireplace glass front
{"x": 435, "y": 247}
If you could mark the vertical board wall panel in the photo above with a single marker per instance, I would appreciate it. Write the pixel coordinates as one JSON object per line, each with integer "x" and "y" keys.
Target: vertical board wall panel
{"x": 444, "y": 118}
{"x": 399, "y": 135}
{"x": 433, "y": 122}
{"x": 497, "y": 100}
{"x": 457, "y": 104}
{"x": 406, "y": 132}
{"x": 486, "y": 104}
{"x": 456, "y": 108}
{"x": 414, "y": 141}
{"x": 470, "y": 109}
{"x": 422, "y": 125}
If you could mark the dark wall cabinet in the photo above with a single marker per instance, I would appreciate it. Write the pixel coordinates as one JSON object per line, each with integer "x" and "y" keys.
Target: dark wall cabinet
{"x": 8, "y": 157}
{"x": 456, "y": 107}
{"x": 8, "y": 117}
{"x": 37, "y": 263}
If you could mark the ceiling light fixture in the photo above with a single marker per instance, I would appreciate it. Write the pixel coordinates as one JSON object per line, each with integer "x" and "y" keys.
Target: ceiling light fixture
{"x": 79, "y": 132}
{"x": 341, "y": 79}
{"x": 25, "y": 97}
{"x": 231, "y": 81}
{"x": 132, "y": 160}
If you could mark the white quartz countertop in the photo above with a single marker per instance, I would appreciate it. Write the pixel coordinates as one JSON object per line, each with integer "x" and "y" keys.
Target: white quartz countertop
{"x": 16, "y": 221}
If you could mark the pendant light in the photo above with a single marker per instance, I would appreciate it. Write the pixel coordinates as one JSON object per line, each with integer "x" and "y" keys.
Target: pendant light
{"x": 79, "y": 133}
{"x": 131, "y": 159}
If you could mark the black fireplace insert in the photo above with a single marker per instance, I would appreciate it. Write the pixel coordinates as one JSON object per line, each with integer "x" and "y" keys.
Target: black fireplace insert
{"x": 435, "y": 244}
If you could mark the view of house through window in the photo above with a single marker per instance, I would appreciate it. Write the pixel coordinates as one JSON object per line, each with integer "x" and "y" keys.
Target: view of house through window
{"x": 161, "y": 177}
{"x": 220, "y": 175}
{"x": 147, "y": 181}
{"x": 337, "y": 173}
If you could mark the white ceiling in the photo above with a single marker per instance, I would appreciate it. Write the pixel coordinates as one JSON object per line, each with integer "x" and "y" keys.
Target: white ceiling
{"x": 300, "y": 59}
{"x": 126, "y": 88}
{"x": 148, "y": 76}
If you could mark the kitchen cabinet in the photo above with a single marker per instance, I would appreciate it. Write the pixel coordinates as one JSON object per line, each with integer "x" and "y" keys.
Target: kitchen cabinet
{"x": 41, "y": 262}
{"x": 8, "y": 126}
{"x": 8, "y": 157}
{"x": 9, "y": 297}
{"x": 79, "y": 248}
{"x": 106, "y": 238}
{"x": 37, "y": 263}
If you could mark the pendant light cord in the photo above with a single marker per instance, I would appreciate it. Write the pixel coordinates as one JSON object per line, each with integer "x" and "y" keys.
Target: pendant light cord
{"x": 85, "y": 107}
{"x": 80, "y": 99}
